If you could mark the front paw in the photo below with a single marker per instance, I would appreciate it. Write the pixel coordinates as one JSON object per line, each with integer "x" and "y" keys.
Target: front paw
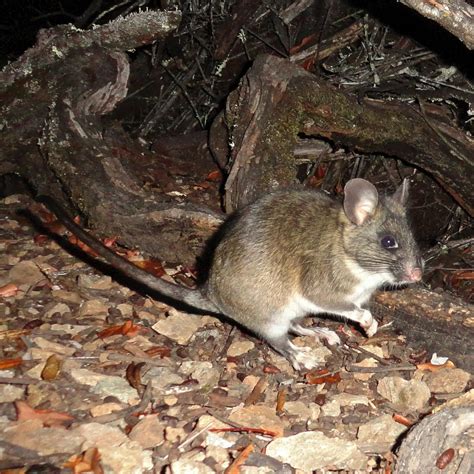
{"x": 368, "y": 323}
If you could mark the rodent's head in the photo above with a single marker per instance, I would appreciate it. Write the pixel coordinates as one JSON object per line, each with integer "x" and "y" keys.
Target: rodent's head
{"x": 378, "y": 238}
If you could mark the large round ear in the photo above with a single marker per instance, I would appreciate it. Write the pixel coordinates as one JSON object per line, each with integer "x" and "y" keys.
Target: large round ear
{"x": 401, "y": 194}
{"x": 360, "y": 200}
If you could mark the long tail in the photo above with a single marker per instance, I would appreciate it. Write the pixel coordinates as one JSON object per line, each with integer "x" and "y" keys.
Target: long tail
{"x": 178, "y": 293}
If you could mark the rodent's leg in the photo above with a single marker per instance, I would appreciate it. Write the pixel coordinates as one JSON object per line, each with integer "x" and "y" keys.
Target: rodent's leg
{"x": 298, "y": 356}
{"x": 363, "y": 317}
{"x": 321, "y": 333}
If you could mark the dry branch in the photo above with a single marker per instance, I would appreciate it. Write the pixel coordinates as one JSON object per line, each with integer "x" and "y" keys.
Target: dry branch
{"x": 456, "y": 16}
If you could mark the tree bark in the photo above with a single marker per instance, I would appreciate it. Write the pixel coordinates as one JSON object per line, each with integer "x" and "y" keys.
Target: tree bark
{"x": 276, "y": 102}
{"x": 456, "y": 16}
{"x": 436, "y": 322}
{"x": 426, "y": 448}
{"x": 54, "y": 98}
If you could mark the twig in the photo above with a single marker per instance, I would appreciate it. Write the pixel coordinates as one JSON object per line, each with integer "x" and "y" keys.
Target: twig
{"x": 368, "y": 370}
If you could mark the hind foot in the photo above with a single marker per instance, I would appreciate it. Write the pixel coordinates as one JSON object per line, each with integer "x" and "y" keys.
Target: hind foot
{"x": 321, "y": 333}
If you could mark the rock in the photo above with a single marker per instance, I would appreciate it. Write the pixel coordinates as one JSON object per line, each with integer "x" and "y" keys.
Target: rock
{"x": 60, "y": 308}
{"x": 31, "y": 434}
{"x": 350, "y": 400}
{"x": 179, "y": 327}
{"x": 447, "y": 380}
{"x": 94, "y": 282}
{"x": 25, "y": 273}
{"x": 382, "y": 429}
{"x": 68, "y": 296}
{"x": 331, "y": 408}
{"x": 162, "y": 378}
{"x": 148, "y": 432}
{"x": 126, "y": 310}
{"x": 48, "y": 348}
{"x": 405, "y": 395}
{"x": 313, "y": 450}
{"x": 299, "y": 409}
{"x": 204, "y": 372}
{"x": 105, "y": 409}
{"x": 10, "y": 393}
{"x": 174, "y": 435}
{"x": 190, "y": 467}
{"x": 118, "y": 454}
{"x": 258, "y": 416}
{"x": 237, "y": 348}
{"x": 92, "y": 308}
{"x": 106, "y": 385}
{"x": 364, "y": 376}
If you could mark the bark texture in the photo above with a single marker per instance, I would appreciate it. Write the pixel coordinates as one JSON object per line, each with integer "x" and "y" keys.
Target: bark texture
{"x": 277, "y": 102}
{"x": 437, "y": 322}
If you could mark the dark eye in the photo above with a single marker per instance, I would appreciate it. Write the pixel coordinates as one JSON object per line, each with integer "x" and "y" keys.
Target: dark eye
{"x": 389, "y": 242}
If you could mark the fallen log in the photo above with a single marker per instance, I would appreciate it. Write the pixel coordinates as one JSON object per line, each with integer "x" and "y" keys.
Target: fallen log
{"x": 278, "y": 102}
{"x": 437, "y": 322}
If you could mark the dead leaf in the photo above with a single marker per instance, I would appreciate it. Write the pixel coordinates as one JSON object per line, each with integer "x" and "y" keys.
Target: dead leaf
{"x": 281, "y": 400}
{"x": 88, "y": 461}
{"x": 234, "y": 468}
{"x": 49, "y": 418}
{"x": 159, "y": 351}
{"x": 214, "y": 176}
{"x": 51, "y": 368}
{"x": 133, "y": 375}
{"x": 126, "y": 329}
{"x": 10, "y": 289}
{"x": 152, "y": 266}
{"x": 317, "y": 377}
{"x": 402, "y": 420}
{"x": 428, "y": 366}
{"x": 10, "y": 363}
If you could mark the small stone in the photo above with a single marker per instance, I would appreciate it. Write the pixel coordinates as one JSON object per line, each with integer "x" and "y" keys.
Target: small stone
{"x": 94, "y": 282}
{"x": 298, "y": 409}
{"x": 106, "y": 385}
{"x": 447, "y": 380}
{"x": 366, "y": 363}
{"x": 170, "y": 400}
{"x": 148, "y": 432}
{"x": 126, "y": 310}
{"x": 120, "y": 454}
{"x": 348, "y": 399}
{"x": 68, "y": 296}
{"x": 161, "y": 379}
{"x": 10, "y": 393}
{"x": 174, "y": 435}
{"x": 204, "y": 372}
{"x": 31, "y": 434}
{"x": 26, "y": 273}
{"x": 60, "y": 308}
{"x": 382, "y": 429}
{"x": 92, "y": 308}
{"x": 313, "y": 450}
{"x": 179, "y": 327}
{"x": 49, "y": 347}
{"x": 185, "y": 466}
{"x": 405, "y": 395}
{"x": 258, "y": 416}
{"x": 105, "y": 409}
{"x": 237, "y": 348}
{"x": 331, "y": 408}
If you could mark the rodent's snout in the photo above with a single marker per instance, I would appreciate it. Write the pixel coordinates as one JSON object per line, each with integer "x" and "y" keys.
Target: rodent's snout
{"x": 414, "y": 272}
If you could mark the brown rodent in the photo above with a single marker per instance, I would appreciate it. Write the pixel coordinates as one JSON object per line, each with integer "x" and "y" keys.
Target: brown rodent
{"x": 294, "y": 253}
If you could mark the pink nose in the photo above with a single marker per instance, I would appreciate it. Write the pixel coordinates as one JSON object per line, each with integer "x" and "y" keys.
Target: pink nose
{"x": 414, "y": 274}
